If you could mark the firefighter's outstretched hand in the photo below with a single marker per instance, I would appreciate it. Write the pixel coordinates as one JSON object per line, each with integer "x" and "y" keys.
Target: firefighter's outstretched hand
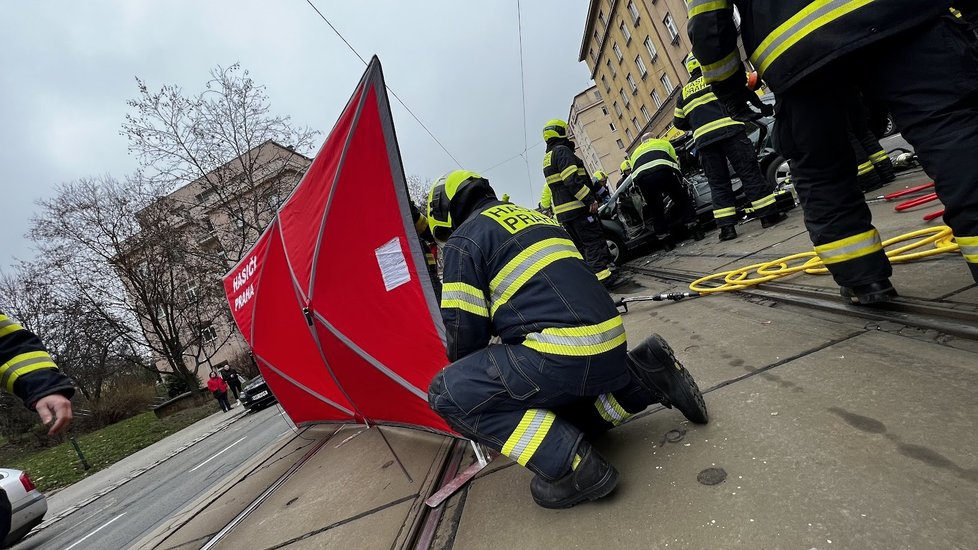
{"x": 594, "y": 207}
{"x": 55, "y": 411}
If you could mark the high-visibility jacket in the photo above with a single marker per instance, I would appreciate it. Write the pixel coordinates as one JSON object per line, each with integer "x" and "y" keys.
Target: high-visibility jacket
{"x": 654, "y": 155}
{"x": 515, "y": 273}
{"x": 26, "y": 368}
{"x": 788, "y": 39}
{"x": 698, "y": 109}
{"x": 568, "y": 188}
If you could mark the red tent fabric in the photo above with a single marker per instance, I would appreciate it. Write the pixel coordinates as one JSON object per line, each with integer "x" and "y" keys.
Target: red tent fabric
{"x": 335, "y": 299}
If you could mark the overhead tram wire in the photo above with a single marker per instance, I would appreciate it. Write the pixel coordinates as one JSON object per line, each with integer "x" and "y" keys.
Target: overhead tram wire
{"x": 392, "y": 92}
{"x": 519, "y": 28}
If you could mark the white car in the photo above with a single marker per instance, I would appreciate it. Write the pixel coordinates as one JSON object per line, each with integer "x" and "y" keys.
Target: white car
{"x": 27, "y": 503}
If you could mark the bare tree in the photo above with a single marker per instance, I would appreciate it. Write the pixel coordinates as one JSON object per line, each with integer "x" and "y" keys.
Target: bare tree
{"x": 418, "y": 191}
{"x": 122, "y": 252}
{"x": 242, "y": 159}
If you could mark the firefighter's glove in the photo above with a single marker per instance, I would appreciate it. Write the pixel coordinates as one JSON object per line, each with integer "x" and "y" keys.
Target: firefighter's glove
{"x": 738, "y": 106}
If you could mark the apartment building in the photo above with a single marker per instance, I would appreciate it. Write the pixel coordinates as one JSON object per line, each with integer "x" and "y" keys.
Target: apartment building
{"x": 594, "y": 130}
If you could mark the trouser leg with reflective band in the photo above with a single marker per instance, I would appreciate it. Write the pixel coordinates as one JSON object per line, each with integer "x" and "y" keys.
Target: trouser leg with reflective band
{"x": 714, "y": 163}
{"x": 587, "y": 234}
{"x": 934, "y": 102}
{"x": 811, "y": 130}
{"x": 760, "y": 192}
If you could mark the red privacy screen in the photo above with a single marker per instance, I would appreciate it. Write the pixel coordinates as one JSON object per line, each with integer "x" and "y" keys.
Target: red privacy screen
{"x": 334, "y": 298}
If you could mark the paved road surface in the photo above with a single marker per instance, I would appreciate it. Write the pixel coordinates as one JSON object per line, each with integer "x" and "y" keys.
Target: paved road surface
{"x": 128, "y": 513}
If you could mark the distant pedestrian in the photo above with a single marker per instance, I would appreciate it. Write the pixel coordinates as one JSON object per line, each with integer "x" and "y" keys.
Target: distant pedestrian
{"x": 219, "y": 388}
{"x": 232, "y": 378}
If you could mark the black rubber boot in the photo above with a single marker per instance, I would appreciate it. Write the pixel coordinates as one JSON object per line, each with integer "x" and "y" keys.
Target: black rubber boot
{"x": 885, "y": 170}
{"x": 655, "y": 365}
{"x": 728, "y": 233}
{"x": 870, "y": 181}
{"x": 696, "y": 232}
{"x": 593, "y": 478}
{"x": 873, "y": 293}
{"x": 773, "y": 219}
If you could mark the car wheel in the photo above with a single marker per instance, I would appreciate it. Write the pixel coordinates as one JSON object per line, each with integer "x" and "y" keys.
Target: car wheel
{"x": 778, "y": 171}
{"x": 890, "y": 126}
{"x": 616, "y": 247}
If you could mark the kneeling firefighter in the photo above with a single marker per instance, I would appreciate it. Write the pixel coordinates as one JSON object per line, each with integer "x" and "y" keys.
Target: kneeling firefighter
{"x": 562, "y": 371}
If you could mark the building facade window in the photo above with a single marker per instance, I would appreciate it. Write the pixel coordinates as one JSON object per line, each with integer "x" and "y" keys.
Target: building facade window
{"x": 645, "y": 113}
{"x": 631, "y": 83}
{"x": 653, "y": 53}
{"x": 603, "y": 19}
{"x": 617, "y": 109}
{"x": 638, "y": 127}
{"x": 191, "y": 292}
{"x": 604, "y": 111}
{"x": 621, "y": 144}
{"x": 628, "y": 134}
{"x": 208, "y": 334}
{"x": 604, "y": 81}
{"x": 618, "y": 53}
{"x": 641, "y": 66}
{"x": 656, "y": 99}
{"x": 624, "y": 96}
{"x": 611, "y": 67}
{"x": 666, "y": 83}
{"x": 671, "y": 27}
{"x": 633, "y": 11}
{"x": 624, "y": 32}
{"x": 597, "y": 94}
{"x": 594, "y": 58}
{"x": 612, "y": 126}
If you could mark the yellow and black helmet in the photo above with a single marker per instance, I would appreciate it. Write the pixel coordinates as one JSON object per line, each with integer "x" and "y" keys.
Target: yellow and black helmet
{"x": 692, "y": 63}
{"x": 555, "y": 128}
{"x": 626, "y": 165}
{"x": 440, "y": 201}
{"x": 600, "y": 175}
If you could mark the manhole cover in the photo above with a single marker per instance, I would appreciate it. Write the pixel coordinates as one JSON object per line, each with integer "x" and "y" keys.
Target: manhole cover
{"x": 712, "y": 476}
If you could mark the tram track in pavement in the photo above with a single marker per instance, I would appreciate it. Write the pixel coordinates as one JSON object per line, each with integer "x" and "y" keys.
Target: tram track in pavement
{"x": 953, "y": 318}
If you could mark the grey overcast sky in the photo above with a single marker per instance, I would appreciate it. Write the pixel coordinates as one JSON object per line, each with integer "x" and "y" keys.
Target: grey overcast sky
{"x": 68, "y": 67}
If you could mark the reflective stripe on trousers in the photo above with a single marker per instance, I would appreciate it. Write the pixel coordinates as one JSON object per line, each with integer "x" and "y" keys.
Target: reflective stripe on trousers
{"x": 850, "y": 248}
{"x": 528, "y": 435}
{"x": 969, "y": 248}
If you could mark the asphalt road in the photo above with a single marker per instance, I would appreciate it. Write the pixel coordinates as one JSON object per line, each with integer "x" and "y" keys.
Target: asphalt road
{"x": 127, "y": 514}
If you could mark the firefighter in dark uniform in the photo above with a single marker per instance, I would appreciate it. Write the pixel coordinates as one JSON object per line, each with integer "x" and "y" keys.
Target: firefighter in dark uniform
{"x": 719, "y": 138}
{"x": 600, "y": 187}
{"x": 910, "y": 56}
{"x": 27, "y": 371}
{"x": 568, "y": 192}
{"x": 427, "y": 247}
{"x": 562, "y": 371}
{"x": 655, "y": 170}
{"x": 873, "y": 167}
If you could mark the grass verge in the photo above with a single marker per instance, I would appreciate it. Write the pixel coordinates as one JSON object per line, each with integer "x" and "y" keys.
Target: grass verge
{"x": 59, "y": 466}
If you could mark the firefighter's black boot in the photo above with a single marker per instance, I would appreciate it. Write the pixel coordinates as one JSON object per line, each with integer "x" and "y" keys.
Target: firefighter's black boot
{"x": 873, "y": 293}
{"x": 728, "y": 233}
{"x": 591, "y": 479}
{"x": 885, "y": 170}
{"x": 870, "y": 181}
{"x": 696, "y": 231}
{"x": 655, "y": 365}
{"x": 773, "y": 219}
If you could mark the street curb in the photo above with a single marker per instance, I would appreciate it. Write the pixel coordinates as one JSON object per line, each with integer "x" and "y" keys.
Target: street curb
{"x": 179, "y": 519}
{"x": 132, "y": 475}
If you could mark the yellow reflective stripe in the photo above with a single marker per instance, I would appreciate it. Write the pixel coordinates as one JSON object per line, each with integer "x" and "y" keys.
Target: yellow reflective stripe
{"x": 603, "y": 274}
{"x": 850, "y": 248}
{"x": 956, "y": 12}
{"x": 767, "y": 200}
{"x": 702, "y": 100}
{"x": 525, "y": 265}
{"x": 528, "y": 435}
{"x": 8, "y": 326}
{"x": 22, "y": 364}
{"x": 582, "y": 193}
{"x": 723, "y": 69}
{"x": 464, "y": 305}
{"x": 577, "y": 460}
{"x": 715, "y": 125}
{"x": 653, "y": 164}
{"x": 610, "y": 410}
{"x": 567, "y": 207}
{"x": 725, "y": 212}
{"x": 547, "y": 159}
{"x": 699, "y": 7}
{"x": 815, "y": 15}
{"x": 969, "y": 248}
{"x": 864, "y": 168}
{"x": 878, "y": 157}
{"x": 679, "y": 113}
{"x": 465, "y": 297}
{"x": 579, "y": 341}
{"x": 554, "y": 178}
{"x": 568, "y": 172}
